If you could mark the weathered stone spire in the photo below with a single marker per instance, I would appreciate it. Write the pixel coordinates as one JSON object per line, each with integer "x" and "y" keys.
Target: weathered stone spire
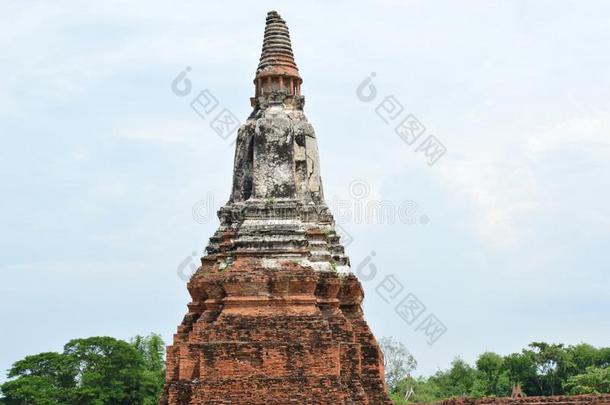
{"x": 275, "y": 316}
{"x": 277, "y": 69}
{"x": 276, "y": 156}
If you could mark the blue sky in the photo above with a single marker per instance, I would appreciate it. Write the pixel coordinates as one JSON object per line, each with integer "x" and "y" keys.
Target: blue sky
{"x": 102, "y": 165}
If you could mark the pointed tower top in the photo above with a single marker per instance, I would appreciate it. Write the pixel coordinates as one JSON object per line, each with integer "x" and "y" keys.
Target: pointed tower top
{"x": 277, "y": 57}
{"x": 277, "y": 69}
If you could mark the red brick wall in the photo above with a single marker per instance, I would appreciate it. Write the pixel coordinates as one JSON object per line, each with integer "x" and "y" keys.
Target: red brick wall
{"x": 603, "y": 399}
{"x": 259, "y": 336}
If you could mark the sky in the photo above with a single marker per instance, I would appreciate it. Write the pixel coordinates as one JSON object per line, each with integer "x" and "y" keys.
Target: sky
{"x": 109, "y": 179}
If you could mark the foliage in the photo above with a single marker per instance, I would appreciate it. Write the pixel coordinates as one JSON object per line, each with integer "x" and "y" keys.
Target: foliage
{"x": 425, "y": 390}
{"x": 93, "y": 371}
{"x": 152, "y": 349}
{"x": 457, "y": 381}
{"x": 491, "y": 377}
{"x": 521, "y": 369}
{"x": 595, "y": 380}
{"x": 398, "y": 362}
{"x": 44, "y": 379}
{"x": 540, "y": 368}
{"x": 550, "y": 362}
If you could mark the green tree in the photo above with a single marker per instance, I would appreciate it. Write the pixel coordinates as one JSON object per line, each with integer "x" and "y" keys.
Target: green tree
{"x": 110, "y": 371}
{"x": 550, "y": 360}
{"x": 461, "y": 377}
{"x": 41, "y": 379}
{"x": 93, "y": 371}
{"x": 579, "y": 357}
{"x": 521, "y": 370}
{"x": 603, "y": 357}
{"x": 458, "y": 381}
{"x": 152, "y": 349}
{"x": 398, "y": 362}
{"x": 595, "y": 380}
{"x": 425, "y": 390}
{"x": 492, "y": 377}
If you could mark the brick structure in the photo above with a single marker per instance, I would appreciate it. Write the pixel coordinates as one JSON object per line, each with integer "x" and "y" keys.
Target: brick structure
{"x": 275, "y": 316}
{"x": 603, "y": 399}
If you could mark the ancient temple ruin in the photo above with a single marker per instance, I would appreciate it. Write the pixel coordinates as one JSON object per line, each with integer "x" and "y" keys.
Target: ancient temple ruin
{"x": 275, "y": 316}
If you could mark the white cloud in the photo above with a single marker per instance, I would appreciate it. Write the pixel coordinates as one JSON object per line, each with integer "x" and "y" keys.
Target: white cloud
{"x": 590, "y": 132}
{"x": 502, "y": 177}
{"x": 169, "y": 131}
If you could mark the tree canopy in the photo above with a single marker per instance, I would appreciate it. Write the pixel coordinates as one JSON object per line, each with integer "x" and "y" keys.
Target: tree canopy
{"x": 398, "y": 362}
{"x": 92, "y": 371}
{"x": 540, "y": 369}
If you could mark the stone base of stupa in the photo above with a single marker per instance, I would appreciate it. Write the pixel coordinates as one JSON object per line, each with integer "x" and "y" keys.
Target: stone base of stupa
{"x": 261, "y": 333}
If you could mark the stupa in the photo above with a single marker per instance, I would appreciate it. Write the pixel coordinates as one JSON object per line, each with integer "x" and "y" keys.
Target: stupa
{"x": 275, "y": 316}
